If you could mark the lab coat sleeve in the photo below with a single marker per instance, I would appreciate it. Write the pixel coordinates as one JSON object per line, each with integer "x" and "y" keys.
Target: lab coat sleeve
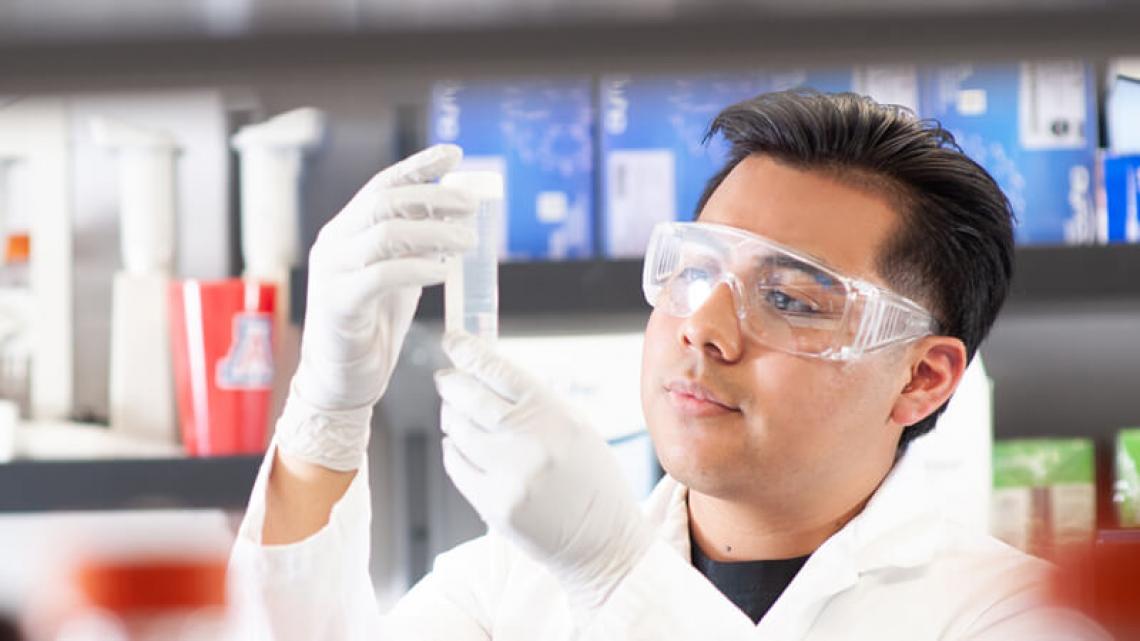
{"x": 664, "y": 598}
{"x": 1037, "y": 624}
{"x": 1026, "y": 614}
{"x": 319, "y": 589}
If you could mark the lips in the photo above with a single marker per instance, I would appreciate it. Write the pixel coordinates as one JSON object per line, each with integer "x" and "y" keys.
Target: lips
{"x": 690, "y": 397}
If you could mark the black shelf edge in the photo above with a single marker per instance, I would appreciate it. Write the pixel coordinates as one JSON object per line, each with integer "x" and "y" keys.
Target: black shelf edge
{"x": 1050, "y": 275}
{"x": 535, "y": 288}
{"x": 1042, "y": 275}
{"x": 127, "y": 484}
{"x": 558, "y": 288}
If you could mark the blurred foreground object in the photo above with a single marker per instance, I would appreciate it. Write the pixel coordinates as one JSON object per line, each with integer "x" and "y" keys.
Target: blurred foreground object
{"x": 1100, "y": 579}
{"x": 143, "y": 600}
{"x": 1044, "y": 503}
{"x": 8, "y": 630}
{"x": 122, "y": 576}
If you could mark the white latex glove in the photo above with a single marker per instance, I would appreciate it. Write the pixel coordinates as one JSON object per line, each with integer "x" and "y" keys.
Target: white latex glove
{"x": 366, "y": 272}
{"x": 537, "y": 474}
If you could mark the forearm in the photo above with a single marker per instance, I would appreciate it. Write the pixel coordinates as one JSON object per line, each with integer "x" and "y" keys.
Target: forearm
{"x": 299, "y": 499}
{"x": 316, "y": 455}
{"x": 316, "y": 587}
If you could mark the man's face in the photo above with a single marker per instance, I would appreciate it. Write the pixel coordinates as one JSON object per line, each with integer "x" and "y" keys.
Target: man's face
{"x": 786, "y": 426}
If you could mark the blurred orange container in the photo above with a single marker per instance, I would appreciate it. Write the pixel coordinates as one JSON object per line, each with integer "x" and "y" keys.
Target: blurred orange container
{"x": 1102, "y": 579}
{"x": 147, "y": 600}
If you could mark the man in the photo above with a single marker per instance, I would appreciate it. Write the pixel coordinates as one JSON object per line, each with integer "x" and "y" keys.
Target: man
{"x": 847, "y": 262}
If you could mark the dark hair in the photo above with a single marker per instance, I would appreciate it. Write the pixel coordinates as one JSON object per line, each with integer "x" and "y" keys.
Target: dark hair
{"x": 953, "y": 251}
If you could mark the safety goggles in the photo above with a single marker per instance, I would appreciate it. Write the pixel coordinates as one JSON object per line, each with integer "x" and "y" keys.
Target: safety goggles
{"x": 784, "y": 299}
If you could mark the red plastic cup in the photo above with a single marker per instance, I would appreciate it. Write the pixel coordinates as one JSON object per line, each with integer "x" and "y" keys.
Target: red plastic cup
{"x": 222, "y": 354}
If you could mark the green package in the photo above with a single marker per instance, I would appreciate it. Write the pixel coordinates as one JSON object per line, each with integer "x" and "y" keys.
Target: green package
{"x": 1044, "y": 492}
{"x": 1126, "y": 490}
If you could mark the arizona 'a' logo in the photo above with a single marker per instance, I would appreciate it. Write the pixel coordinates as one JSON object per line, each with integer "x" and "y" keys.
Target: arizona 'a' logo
{"x": 249, "y": 363}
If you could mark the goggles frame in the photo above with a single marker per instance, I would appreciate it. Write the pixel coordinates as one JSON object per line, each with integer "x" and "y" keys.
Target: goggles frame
{"x": 888, "y": 318}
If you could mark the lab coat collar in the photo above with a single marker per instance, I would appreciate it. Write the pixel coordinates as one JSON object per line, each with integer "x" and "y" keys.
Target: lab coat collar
{"x": 899, "y": 527}
{"x": 668, "y": 510}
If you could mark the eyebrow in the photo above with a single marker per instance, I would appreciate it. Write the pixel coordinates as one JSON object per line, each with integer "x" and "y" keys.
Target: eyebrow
{"x": 790, "y": 262}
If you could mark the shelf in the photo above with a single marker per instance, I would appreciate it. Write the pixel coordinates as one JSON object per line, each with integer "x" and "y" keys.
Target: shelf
{"x": 1047, "y": 276}
{"x": 41, "y": 486}
{"x": 559, "y": 288}
{"x": 1042, "y": 276}
{"x": 537, "y": 289}
{"x": 1070, "y": 274}
{"x": 563, "y": 34}
{"x": 198, "y": 20}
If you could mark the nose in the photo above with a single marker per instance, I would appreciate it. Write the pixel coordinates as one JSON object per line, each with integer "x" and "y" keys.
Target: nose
{"x": 714, "y": 327}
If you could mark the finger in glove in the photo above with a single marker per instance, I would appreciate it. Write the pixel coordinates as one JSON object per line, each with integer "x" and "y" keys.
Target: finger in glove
{"x": 478, "y": 358}
{"x": 412, "y": 202}
{"x": 372, "y": 281}
{"x": 422, "y": 166}
{"x": 474, "y": 400}
{"x": 471, "y": 482}
{"x": 478, "y": 446}
{"x": 401, "y": 238}
{"x": 416, "y": 202}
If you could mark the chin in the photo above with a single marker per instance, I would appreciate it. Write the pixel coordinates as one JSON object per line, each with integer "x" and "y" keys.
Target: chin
{"x": 701, "y": 463}
{"x": 708, "y": 480}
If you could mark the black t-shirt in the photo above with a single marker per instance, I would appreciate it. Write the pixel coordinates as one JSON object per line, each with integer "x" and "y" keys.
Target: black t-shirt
{"x": 752, "y": 585}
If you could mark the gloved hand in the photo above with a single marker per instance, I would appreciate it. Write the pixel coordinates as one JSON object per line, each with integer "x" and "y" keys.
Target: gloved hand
{"x": 537, "y": 474}
{"x": 366, "y": 272}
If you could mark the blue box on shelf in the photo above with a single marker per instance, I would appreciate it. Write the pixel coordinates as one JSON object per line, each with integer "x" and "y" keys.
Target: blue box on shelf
{"x": 1122, "y": 197}
{"x": 1121, "y": 109}
{"x": 655, "y": 165}
{"x": 539, "y": 135}
{"x": 1032, "y": 125}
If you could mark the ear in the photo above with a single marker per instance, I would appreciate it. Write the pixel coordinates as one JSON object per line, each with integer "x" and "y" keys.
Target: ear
{"x": 937, "y": 365}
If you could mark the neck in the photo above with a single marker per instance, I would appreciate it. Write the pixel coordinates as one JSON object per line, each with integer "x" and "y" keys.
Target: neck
{"x": 736, "y": 530}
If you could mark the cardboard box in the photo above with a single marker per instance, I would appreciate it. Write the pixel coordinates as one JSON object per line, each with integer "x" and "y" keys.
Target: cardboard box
{"x": 1126, "y": 489}
{"x": 1122, "y": 198}
{"x": 1122, "y": 105}
{"x": 1044, "y": 493}
{"x": 1032, "y": 125}
{"x": 655, "y": 163}
{"x": 539, "y": 134}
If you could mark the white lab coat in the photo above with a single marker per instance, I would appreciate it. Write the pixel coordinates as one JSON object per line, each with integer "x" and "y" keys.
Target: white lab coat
{"x": 899, "y": 570}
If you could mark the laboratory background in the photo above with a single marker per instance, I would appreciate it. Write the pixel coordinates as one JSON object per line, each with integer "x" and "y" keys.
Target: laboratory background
{"x": 164, "y": 168}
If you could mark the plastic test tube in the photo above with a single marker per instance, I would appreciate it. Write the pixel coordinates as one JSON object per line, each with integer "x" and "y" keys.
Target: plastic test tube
{"x": 471, "y": 291}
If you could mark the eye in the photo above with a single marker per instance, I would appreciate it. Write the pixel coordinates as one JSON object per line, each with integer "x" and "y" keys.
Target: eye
{"x": 692, "y": 274}
{"x": 788, "y": 304}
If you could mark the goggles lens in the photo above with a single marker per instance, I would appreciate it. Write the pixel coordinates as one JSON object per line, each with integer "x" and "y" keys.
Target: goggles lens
{"x": 783, "y": 299}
